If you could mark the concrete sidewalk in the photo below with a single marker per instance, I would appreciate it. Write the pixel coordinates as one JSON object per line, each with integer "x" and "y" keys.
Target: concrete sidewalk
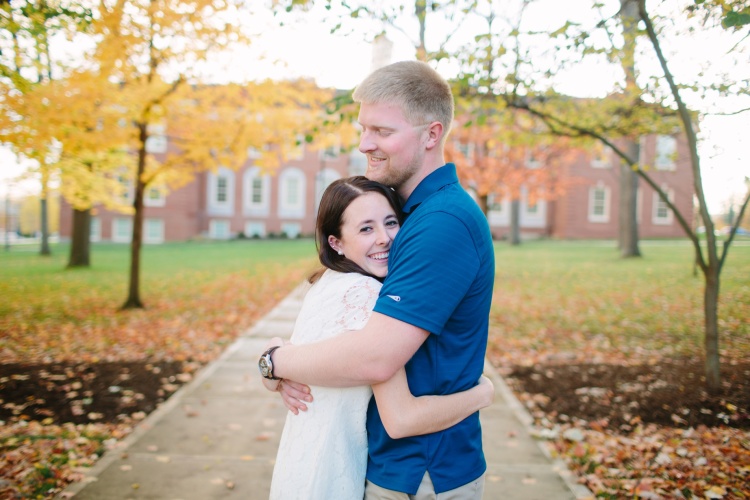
{"x": 217, "y": 437}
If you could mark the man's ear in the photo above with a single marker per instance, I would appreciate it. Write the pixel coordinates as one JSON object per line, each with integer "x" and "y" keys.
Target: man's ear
{"x": 434, "y": 134}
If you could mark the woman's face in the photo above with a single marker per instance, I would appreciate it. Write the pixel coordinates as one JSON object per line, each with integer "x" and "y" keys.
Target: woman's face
{"x": 367, "y": 231}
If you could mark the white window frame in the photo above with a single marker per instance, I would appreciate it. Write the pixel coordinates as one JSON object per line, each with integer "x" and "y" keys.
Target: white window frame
{"x": 250, "y": 206}
{"x": 159, "y": 201}
{"x": 216, "y": 206}
{"x": 658, "y": 205}
{"x": 323, "y": 179}
{"x": 357, "y": 163}
{"x": 292, "y": 230}
{"x": 601, "y": 157}
{"x": 606, "y": 202}
{"x": 219, "y": 229}
{"x": 157, "y": 143}
{"x": 498, "y": 210}
{"x": 531, "y": 161}
{"x": 529, "y": 218}
{"x": 292, "y": 190}
{"x": 122, "y": 229}
{"x": 95, "y": 229}
{"x": 126, "y": 196}
{"x": 665, "y": 151}
{"x": 255, "y": 228}
{"x": 153, "y": 230}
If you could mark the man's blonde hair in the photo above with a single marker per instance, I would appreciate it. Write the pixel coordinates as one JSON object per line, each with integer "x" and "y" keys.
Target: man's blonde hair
{"x": 423, "y": 95}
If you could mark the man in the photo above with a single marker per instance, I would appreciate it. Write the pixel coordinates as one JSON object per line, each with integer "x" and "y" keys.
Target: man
{"x": 432, "y": 314}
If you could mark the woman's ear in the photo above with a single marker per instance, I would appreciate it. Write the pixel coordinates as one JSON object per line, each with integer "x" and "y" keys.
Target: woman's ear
{"x": 335, "y": 244}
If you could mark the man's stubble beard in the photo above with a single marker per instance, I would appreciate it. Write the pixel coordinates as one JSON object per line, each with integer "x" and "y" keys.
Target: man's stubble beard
{"x": 396, "y": 177}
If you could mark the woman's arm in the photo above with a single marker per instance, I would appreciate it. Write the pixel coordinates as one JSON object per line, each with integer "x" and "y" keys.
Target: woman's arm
{"x": 404, "y": 415}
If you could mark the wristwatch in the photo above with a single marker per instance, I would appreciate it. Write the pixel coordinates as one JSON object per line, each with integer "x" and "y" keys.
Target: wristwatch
{"x": 265, "y": 364}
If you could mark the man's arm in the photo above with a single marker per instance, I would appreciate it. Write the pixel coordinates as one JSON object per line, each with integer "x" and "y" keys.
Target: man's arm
{"x": 364, "y": 357}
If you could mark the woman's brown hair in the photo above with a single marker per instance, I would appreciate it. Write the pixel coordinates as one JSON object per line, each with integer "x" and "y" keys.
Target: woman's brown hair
{"x": 336, "y": 198}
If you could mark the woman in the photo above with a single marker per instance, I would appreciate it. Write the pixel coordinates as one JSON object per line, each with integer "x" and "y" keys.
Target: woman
{"x": 323, "y": 450}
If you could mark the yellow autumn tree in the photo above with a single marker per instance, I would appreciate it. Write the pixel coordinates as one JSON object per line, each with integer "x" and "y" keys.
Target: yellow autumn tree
{"x": 26, "y": 63}
{"x": 157, "y": 55}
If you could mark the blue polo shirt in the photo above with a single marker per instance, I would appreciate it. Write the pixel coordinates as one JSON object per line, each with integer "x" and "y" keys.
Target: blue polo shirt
{"x": 441, "y": 270}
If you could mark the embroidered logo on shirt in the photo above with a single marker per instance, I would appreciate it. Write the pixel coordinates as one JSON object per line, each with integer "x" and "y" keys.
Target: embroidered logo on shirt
{"x": 394, "y": 297}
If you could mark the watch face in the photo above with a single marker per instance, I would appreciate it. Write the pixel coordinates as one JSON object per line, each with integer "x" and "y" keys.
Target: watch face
{"x": 264, "y": 368}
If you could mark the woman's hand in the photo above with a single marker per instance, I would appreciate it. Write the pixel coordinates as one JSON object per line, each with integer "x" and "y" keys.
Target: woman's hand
{"x": 294, "y": 395}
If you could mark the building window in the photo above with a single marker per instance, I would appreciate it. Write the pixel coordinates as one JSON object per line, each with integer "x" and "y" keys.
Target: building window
{"x": 466, "y": 150}
{"x": 601, "y": 157}
{"x": 155, "y": 197}
{"x": 126, "y": 189}
{"x": 296, "y": 151}
{"x": 292, "y": 193}
{"x": 291, "y": 229}
{"x": 255, "y": 229}
{"x": 357, "y": 163}
{"x": 662, "y": 214}
{"x": 221, "y": 192}
{"x": 323, "y": 179}
{"x": 219, "y": 229}
{"x": 599, "y": 199}
{"x": 153, "y": 231}
{"x": 535, "y": 157}
{"x": 157, "y": 139}
{"x": 122, "y": 229}
{"x": 256, "y": 192}
{"x": 95, "y": 230}
{"x": 666, "y": 151}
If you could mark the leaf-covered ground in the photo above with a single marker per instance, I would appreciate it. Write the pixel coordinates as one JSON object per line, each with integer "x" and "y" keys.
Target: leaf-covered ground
{"x": 605, "y": 354}
{"x": 77, "y": 374}
{"x": 644, "y": 430}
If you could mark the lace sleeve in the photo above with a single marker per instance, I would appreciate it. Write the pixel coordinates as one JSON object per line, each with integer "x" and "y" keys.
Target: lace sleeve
{"x": 357, "y": 303}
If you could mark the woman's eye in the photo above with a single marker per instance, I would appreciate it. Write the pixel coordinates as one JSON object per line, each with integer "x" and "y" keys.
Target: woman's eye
{"x": 365, "y": 229}
{"x": 392, "y": 223}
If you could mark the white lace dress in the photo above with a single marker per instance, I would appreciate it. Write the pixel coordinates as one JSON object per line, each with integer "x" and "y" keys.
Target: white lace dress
{"x": 323, "y": 451}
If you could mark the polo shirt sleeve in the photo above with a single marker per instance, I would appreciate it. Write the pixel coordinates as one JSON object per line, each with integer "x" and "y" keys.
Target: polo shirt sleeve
{"x": 430, "y": 271}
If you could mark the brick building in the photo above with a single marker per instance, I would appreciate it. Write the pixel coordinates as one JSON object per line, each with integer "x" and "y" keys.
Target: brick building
{"x": 226, "y": 204}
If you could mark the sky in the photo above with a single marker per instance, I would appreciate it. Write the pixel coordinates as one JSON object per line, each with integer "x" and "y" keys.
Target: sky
{"x": 333, "y": 60}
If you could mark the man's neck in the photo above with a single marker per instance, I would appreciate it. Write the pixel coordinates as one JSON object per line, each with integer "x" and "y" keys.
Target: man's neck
{"x": 406, "y": 189}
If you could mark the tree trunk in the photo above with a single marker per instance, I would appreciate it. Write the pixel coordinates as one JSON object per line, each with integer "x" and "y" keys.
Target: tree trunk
{"x": 628, "y": 230}
{"x": 515, "y": 222}
{"x": 629, "y": 206}
{"x": 483, "y": 205}
{"x": 711, "y": 313}
{"x": 134, "y": 299}
{"x": 45, "y": 249}
{"x": 80, "y": 242}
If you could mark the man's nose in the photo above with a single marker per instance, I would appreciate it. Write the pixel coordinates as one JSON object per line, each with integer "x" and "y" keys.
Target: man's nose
{"x": 365, "y": 143}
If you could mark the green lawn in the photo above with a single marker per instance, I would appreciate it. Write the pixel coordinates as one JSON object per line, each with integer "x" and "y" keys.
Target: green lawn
{"x": 552, "y": 298}
{"x": 194, "y": 293}
{"x": 580, "y": 298}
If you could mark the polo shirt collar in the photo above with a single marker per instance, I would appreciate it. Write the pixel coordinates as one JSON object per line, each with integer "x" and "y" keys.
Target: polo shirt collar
{"x": 431, "y": 184}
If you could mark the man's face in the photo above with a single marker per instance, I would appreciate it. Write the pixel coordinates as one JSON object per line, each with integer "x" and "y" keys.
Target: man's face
{"x": 393, "y": 146}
